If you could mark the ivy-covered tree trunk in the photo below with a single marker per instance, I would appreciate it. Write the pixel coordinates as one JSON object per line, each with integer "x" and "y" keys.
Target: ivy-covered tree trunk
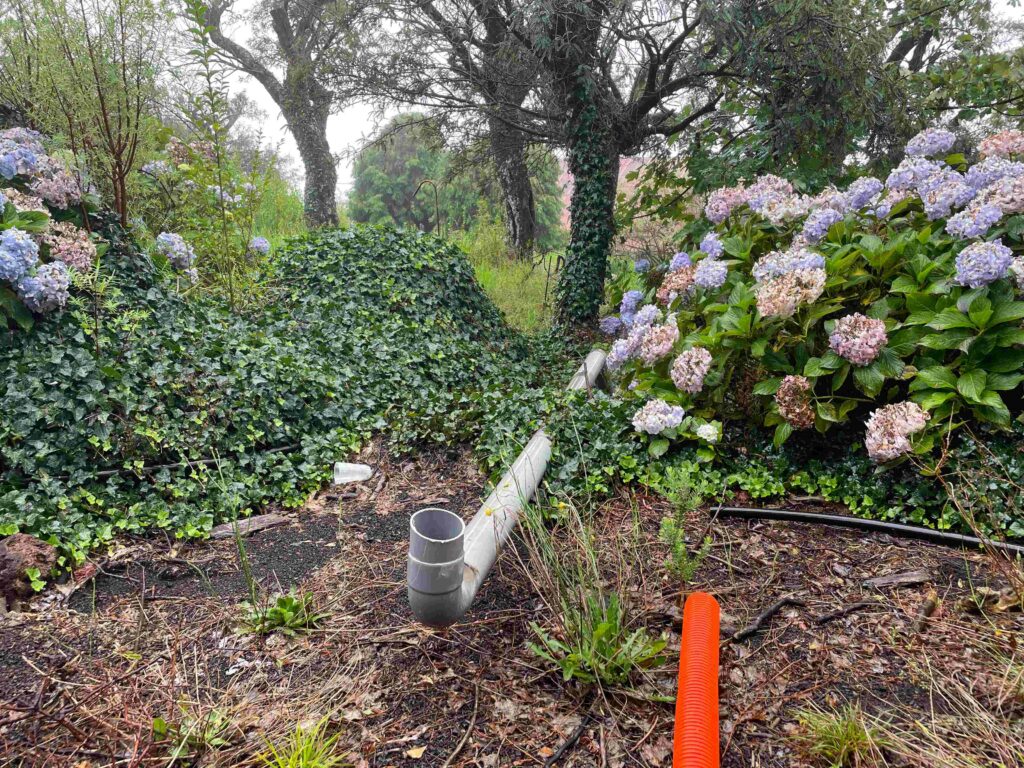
{"x": 508, "y": 149}
{"x": 594, "y": 165}
{"x": 319, "y": 207}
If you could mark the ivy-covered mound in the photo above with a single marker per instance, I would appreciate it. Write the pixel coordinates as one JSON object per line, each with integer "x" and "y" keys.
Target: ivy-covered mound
{"x": 893, "y": 305}
{"x": 136, "y": 407}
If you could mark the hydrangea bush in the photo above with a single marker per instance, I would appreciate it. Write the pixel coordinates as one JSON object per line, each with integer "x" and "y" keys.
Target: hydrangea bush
{"x": 892, "y": 304}
{"x": 42, "y": 245}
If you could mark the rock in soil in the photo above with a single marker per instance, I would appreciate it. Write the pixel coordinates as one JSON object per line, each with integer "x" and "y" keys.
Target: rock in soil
{"x": 19, "y": 554}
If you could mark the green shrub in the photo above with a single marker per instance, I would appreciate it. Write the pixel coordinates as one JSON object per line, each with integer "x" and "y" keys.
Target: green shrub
{"x": 142, "y": 408}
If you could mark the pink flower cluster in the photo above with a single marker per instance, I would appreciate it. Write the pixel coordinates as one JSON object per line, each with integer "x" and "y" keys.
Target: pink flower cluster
{"x": 889, "y": 429}
{"x": 724, "y": 201}
{"x": 71, "y": 245}
{"x": 1007, "y": 144}
{"x": 24, "y": 202}
{"x": 55, "y": 184}
{"x": 677, "y": 283}
{"x": 858, "y": 338}
{"x": 1007, "y": 194}
{"x": 658, "y": 340}
{"x": 793, "y": 399}
{"x": 780, "y": 296}
{"x": 690, "y": 368}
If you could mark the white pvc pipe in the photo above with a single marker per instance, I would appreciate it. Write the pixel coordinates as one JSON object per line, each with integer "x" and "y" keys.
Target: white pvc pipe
{"x": 448, "y": 560}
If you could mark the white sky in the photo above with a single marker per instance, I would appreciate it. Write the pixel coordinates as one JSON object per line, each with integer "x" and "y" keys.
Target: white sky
{"x": 350, "y": 129}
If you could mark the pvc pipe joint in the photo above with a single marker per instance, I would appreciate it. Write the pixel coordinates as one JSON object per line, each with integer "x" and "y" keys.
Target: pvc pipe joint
{"x": 449, "y": 560}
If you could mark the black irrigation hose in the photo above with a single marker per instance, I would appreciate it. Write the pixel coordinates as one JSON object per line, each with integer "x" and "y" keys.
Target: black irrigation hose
{"x": 875, "y": 526}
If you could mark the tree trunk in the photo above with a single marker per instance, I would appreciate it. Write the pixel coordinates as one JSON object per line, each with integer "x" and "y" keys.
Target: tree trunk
{"x": 594, "y": 165}
{"x": 508, "y": 149}
{"x": 319, "y": 205}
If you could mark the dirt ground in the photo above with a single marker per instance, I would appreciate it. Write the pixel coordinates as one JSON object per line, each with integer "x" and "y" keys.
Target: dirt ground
{"x": 155, "y": 635}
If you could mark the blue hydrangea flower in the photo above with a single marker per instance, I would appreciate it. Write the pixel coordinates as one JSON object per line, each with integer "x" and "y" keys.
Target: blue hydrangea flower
{"x": 15, "y": 160}
{"x": 943, "y": 192}
{"x": 711, "y": 273}
{"x": 47, "y": 289}
{"x": 178, "y": 252}
{"x": 680, "y": 260}
{"x": 642, "y": 265}
{"x": 982, "y": 263}
{"x": 862, "y": 191}
{"x": 991, "y": 170}
{"x": 259, "y": 245}
{"x": 630, "y": 301}
{"x": 157, "y": 168}
{"x": 646, "y": 316}
{"x": 975, "y": 221}
{"x": 712, "y": 246}
{"x": 819, "y": 223}
{"x": 18, "y": 254}
{"x": 908, "y": 174}
{"x": 931, "y": 142}
{"x": 610, "y": 325}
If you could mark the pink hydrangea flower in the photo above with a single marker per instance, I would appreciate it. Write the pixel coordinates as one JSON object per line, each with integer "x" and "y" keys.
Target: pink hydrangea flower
{"x": 780, "y": 296}
{"x": 793, "y": 399}
{"x": 656, "y": 416}
{"x": 658, "y": 341}
{"x": 858, "y": 338}
{"x": 889, "y": 429}
{"x": 1006, "y": 144}
{"x": 724, "y": 201}
{"x": 71, "y": 245}
{"x": 690, "y": 368}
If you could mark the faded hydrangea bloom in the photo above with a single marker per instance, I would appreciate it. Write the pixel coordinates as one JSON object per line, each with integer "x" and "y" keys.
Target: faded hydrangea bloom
{"x": 1007, "y": 194}
{"x": 931, "y": 142}
{"x": 778, "y": 263}
{"x": 889, "y": 428}
{"x": 780, "y": 296}
{"x": 24, "y": 202}
{"x": 708, "y": 433}
{"x": 991, "y": 170}
{"x": 793, "y": 399}
{"x": 830, "y": 197}
{"x": 786, "y": 208}
{"x": 724, "y": 201}
{"x": 690, "y": 368}
{"x": 1005, "y": 144}
{"x": 858, "y": 338}
{"x": 1017, "y": 271}
{"x": 71, "y": 245}
{"x": 646, "y": 316}
{"x": 974, "y": 221}
{"x": 677, "y": 283}
{"x": 819, "y": 222}
{"x": 712, "y": 245}
{"x": 657, "y": 343}
{"x": 55, "y": 184}
{"x": 656, "y": 416}
{"x": 710, "y": 274}
{"x": 885, "y": 202}
{"x": 767, "y": 190}
{"x": 982, "y": 263}
{"x": 47, "y": 289}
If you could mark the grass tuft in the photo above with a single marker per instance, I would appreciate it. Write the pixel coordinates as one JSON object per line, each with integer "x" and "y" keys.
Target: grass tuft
{"x": 304, "y": 748}
{"x": 844, "y": 738}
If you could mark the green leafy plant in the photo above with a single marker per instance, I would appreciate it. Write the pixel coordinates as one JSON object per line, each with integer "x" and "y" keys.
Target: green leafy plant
{"x": 304, "y": 748}
{"x": 601, "y": 648}
{"x": 685, "y": 485}
{"x": 290, "y": 614}
{"x": 191, "y": 734}
{"x": 592, "y": 640}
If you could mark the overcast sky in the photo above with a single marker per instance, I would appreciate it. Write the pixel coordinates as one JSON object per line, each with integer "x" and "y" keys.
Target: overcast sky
{"x": 349, "y": 129}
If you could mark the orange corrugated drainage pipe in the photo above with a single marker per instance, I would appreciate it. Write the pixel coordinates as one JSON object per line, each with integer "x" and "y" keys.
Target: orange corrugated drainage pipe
{"x": 696, "y": 737}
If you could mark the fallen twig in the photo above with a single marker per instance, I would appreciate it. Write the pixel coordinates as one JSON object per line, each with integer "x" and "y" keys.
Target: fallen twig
{"x": 763, "y": 617}
{"x": 846, "y": 610}
{"x": 469, "y": 729}
{"x": 570, "y": 742}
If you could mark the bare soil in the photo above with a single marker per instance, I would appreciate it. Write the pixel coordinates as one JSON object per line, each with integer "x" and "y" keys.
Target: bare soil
{"x": 156, "y": 635}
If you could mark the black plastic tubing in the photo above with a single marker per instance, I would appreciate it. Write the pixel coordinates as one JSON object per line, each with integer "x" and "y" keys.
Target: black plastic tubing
{"x": 876, "y": 526}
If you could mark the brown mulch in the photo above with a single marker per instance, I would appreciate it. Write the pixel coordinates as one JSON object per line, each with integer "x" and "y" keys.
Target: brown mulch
{"x": 155, "y": 635}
